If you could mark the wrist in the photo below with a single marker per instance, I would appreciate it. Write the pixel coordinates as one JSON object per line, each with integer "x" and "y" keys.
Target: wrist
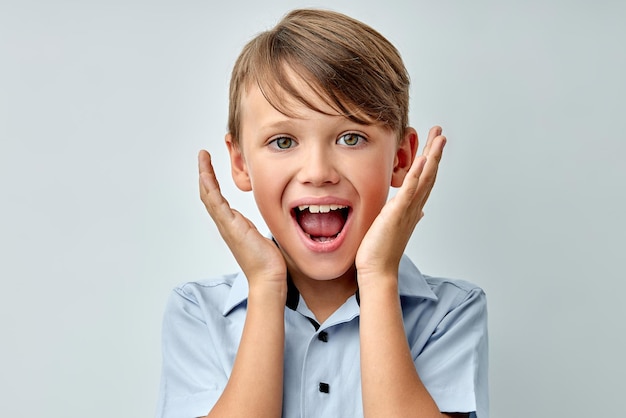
{"x": 268, "y": 292}
{"x": 379, "y": 284}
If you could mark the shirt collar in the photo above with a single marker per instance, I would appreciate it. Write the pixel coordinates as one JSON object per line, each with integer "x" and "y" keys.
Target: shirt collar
{"x": 238, "y": 293}
{"x": 411, "y": 283}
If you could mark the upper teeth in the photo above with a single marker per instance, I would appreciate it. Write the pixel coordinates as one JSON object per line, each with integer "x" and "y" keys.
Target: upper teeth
{"x": 320, "y": 208}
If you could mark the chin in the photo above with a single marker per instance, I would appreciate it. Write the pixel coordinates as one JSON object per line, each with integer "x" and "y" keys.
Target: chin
{"x": 326, "y": 270}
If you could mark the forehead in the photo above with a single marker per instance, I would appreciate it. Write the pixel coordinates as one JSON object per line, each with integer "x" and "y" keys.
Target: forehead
{"x": 300, "y": 100}
{"x": 259, "y": 116}
{"x": 291, "y": 89}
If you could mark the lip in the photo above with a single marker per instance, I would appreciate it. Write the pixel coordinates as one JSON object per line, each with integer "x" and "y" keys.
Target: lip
{"x": 327, "y": 246}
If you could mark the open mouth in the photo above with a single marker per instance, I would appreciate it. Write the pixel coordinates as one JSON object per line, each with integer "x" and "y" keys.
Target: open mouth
{"x": 322, "y": 223}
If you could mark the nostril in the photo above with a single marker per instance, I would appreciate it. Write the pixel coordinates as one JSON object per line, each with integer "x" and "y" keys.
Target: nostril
{"x": 319, "y": 162}
{"x": 319, "y": 173}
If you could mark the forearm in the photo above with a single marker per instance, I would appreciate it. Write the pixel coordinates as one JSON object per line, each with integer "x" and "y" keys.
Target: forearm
{"x": 390, "y": 384}
{"x": 255, "y": 386}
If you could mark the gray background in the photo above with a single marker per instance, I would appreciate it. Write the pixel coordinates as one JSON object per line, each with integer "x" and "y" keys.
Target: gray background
{"x": 104, "y": 105}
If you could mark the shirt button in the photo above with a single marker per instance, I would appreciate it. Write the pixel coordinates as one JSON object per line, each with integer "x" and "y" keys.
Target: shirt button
{"x": 323, "y": 336}
{"x": 324, "y": 387}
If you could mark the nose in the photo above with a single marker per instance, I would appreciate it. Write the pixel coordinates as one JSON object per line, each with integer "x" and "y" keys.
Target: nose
{"x": 318, "y": 168}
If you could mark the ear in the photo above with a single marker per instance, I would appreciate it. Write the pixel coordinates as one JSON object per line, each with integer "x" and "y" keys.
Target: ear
{"x": 238, "y": 167}
{"x": 405, "y": 155}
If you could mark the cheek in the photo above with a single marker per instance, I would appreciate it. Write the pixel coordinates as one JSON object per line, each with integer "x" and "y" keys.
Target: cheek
{"x": 376, "y": 173}
{"x": 258, "y": 173}
{"x": 373, "y": 189}
{"x": 268, "y": 184}
{"x": 375, "y": 194}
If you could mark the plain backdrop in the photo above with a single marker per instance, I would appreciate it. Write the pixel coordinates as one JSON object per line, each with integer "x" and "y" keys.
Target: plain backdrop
{"x": 104, "y": 105}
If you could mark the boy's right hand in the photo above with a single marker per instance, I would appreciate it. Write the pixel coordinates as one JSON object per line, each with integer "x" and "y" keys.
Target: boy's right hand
{"x": 259, "y": 257}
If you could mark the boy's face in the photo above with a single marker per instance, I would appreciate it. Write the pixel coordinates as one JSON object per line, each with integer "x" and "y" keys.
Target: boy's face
{"x": 313, "y": 163}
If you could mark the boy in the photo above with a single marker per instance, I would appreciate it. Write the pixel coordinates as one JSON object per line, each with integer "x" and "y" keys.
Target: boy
{"x": 327, "y": 318}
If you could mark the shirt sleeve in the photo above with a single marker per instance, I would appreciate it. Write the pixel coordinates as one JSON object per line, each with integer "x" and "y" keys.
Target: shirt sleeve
{"x": 193, "y": 377}
{"x": 454, "y": 363}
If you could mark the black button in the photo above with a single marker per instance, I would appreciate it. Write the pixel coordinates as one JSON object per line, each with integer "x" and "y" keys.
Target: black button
{"x": 323, "y": 336}
{"x": 324, "y": 387}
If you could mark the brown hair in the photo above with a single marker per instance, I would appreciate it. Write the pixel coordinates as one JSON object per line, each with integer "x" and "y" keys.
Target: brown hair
{"x": 349, "y": 65}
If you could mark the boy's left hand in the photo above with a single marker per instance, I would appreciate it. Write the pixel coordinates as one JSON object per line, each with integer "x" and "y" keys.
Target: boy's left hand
{"x": 384, "y": 243}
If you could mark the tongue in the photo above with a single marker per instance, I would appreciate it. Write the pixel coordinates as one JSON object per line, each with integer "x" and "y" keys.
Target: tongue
{"x": 321, "y": 224}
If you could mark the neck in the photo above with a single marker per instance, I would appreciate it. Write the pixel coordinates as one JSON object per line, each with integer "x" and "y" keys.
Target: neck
{"x": 323, "y": 297}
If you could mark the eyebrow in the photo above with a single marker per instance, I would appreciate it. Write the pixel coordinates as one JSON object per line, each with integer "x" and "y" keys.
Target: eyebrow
{"x": 288, "y": 122}
{"x": 278, "y": 125}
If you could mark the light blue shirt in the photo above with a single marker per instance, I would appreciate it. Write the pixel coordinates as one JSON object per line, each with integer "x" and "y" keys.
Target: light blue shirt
{"x": 445, "y": 322}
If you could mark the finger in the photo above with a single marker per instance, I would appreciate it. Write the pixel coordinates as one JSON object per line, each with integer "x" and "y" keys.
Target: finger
{"x": 208, "y": 180}
{"x": 205, "y": 166}
{"x": 410, "y": 185}
{"x": 210, "y": 194}
{"x": 422, "y": 175}
{"x": 434, "y": 132}
{"x": 429, "y": 173}
{"x": 247, "y": 221}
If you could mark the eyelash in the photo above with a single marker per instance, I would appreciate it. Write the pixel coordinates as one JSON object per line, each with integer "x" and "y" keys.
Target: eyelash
{"x": 275, "y": 143}
{"x": 360, "y": 139}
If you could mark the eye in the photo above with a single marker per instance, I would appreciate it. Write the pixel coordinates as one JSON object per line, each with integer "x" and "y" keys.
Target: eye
{"x": 283, "y": 142}
{"x": 350, "y": 139}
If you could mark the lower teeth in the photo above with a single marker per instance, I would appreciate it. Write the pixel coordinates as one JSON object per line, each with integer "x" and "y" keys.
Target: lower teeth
{"x": 322, "y": 239}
